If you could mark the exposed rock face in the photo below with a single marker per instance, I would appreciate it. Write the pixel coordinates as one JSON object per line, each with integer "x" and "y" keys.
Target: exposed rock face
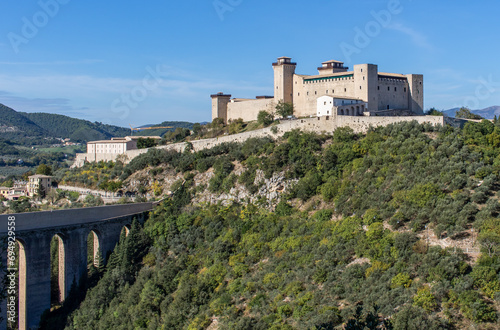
{"x": 7, "y": 129}
{"x": 268, "y": 193}
{"x": 269, "y": 189}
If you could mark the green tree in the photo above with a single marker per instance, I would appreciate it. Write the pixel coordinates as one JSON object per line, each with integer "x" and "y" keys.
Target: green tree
{"x": 466, "y": 114}
{"x": 490, "y": 241}
{"x": 41, "y": 191}
{"x": 197, "y": 128}
{"x": 146, "y": 143}
{"x": 264, "y": 118}
{"x": 217, "y": 123}
{"x": 434, "y": 112}
{"x": 284, "y": 109}
{"x": 44, "y": 169}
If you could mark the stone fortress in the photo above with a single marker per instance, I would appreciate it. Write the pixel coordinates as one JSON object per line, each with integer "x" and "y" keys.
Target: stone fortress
{"x": 334, "y": 98}
{"x": 335, "y": 91}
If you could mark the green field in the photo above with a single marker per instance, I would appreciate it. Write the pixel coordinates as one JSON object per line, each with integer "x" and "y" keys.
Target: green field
{"x": 70, "y": 150}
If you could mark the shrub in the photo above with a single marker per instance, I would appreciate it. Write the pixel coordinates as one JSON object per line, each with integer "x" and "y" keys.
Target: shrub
{"x": 264, "y": 118}
{"x": 425, "y": 299}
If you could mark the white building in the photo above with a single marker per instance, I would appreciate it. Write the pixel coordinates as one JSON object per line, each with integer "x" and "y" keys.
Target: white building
{"x": 329, "y": 105}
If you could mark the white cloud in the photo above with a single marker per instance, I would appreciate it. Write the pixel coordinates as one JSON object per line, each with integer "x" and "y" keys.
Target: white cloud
{"x": 418, "y": 38}
{"x": 85, "y": 61}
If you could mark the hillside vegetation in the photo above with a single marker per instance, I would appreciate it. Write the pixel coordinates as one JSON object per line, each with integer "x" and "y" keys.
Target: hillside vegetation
{"x": 28, "y": 128}
{"x": 342, "y": 248}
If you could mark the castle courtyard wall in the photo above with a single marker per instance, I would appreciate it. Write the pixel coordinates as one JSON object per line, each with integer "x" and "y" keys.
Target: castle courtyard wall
{"x": 248, "y": 109}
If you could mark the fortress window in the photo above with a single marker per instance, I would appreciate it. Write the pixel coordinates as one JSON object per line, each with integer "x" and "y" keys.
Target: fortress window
{"x": 362, "y": 71}
{"x": 363, "y": 76}
{"x": 315, "y": 93}
{"x": 378, "y": 88}
{"x": 298, "y": 94}
{"x": 345, "y": 89}
{"x": 307, "y": 93}
{"x": 324, "y": 103}
{"x": 327, "y": 91}
{"x": 405, "y": 89}
{"x": 395, "y": 89}
{"x": 388, "y": 88}
{"x": 359, "y": 87}
{"x": 276, "y": 87}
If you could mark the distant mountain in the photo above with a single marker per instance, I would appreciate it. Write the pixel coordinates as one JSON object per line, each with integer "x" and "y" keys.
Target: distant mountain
{"x": 21, "y": 127}
{"x": 488, "y": 113}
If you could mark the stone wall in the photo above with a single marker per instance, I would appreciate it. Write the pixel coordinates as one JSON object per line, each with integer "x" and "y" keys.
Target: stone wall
{"x": 328, "y": 124}
{"x": 248, "y": 109}
{"x": 361, "y": 124}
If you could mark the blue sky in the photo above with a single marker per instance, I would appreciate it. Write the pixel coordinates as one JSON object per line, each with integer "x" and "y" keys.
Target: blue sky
{"x": 146, "y": 62}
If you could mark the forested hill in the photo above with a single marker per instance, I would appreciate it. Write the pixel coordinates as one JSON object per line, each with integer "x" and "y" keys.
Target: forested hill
{"x": 14, "y": 124}
{"x": 358, "y": 243}
{"x": 75, "y": 129}
{"x": 19, "y": 126}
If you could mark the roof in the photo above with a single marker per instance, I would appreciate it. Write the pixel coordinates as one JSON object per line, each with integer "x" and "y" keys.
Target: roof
{"x": 241, "y": 100}
{"x": 108, "y": 141}
{"x": 333, "y": 75}
{"x": 397, "y": 75}
{"x": 332, "y": 61}
{"x": 137, "y": 137}
{"x": 283, "y": 57}
{"x": 41, "y": 176}
{"x": 4, "y": 188}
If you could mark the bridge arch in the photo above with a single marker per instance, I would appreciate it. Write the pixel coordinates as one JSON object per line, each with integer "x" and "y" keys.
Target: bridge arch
{"x": 94, "y": 246}
{"x": 126, "y": 230}
{"x": 60, "y": 242}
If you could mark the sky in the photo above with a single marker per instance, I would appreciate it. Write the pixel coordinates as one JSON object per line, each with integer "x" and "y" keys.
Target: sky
{"x": 137, "y": 63}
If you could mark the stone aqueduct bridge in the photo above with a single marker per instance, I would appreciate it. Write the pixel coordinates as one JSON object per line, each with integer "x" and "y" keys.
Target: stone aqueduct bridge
{"x": 33, "y": 234}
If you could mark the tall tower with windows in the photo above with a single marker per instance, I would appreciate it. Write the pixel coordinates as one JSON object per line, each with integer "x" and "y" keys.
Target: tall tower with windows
{"x": 284, "y": 70}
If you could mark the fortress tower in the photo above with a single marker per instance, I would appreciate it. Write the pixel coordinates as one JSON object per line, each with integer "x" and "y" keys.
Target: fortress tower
{"x": 366, "y": 85}
{"x": 284, "y": 70}
{"x": 219, "y": 105}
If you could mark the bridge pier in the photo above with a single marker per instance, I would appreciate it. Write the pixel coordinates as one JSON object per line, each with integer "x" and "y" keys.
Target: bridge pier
{"x": 37, "y": 279}
{"x": 75, "y": 261}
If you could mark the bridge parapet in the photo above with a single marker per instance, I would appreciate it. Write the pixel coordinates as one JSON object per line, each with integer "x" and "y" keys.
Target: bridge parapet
{"x": 71, "y": 217}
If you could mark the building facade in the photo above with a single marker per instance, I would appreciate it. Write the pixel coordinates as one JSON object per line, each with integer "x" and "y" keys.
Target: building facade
{"x": 117, "y": 145}
{"x": 5, "y": 191}
{"x": 114, "y": 146}
{"x": 37, "y": 181}
{"x": 375, "y": 93}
